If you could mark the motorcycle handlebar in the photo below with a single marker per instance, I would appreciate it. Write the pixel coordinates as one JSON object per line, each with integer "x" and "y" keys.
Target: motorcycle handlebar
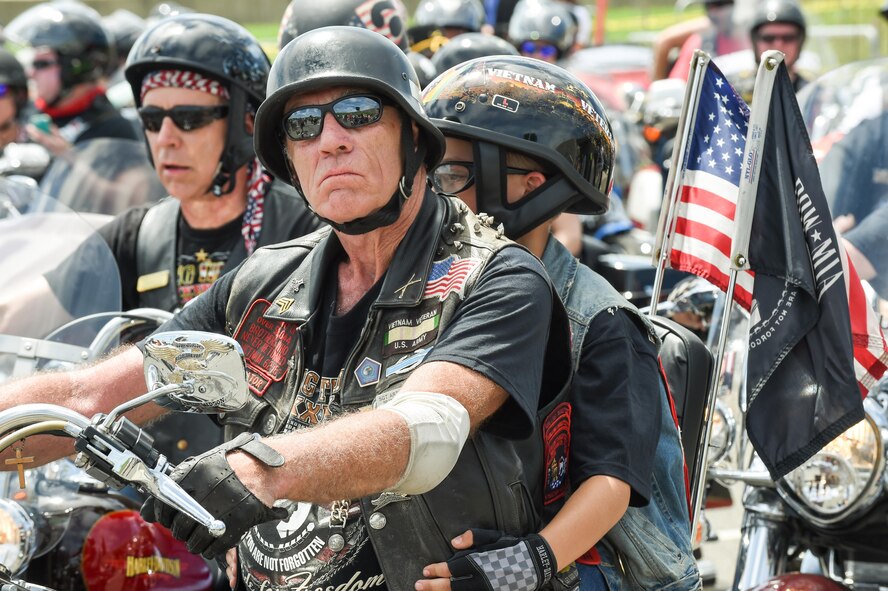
{"x": 759, "y": 478}
{"x": 31, "y": 419}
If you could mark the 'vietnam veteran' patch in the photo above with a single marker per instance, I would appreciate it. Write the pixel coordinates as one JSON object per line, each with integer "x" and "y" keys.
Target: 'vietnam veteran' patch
{"x": 411, "y": 331}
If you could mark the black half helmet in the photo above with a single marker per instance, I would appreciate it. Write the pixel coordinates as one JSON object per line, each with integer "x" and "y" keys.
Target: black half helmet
{"x": 217, "y": 48}
{"x": 340, "y": 56}
{"x": 386, "y": 17}
{"x": 777, "y": 11}
{"x": 543, "y": 20}
{"x": 13, "y": 77}
{"x": 456, "y": 14}
{"x": 468, "y": 46}
{"x": 516, "y": 104}
{"x": 75, "y": 32}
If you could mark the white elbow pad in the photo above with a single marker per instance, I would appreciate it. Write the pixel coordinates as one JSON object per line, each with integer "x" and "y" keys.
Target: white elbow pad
{"x": 439, "y": 426}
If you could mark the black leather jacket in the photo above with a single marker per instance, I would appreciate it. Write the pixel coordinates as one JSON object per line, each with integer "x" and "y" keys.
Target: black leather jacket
{"x": 281, "y": 286}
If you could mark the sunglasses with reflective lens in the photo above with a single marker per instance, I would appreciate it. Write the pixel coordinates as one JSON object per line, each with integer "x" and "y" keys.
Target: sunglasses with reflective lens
{"x": 773, "y": 38}
{"x": 351, "y": 112}
{"x": 185, "y": 117}
{"x": 540, "y": 49}
{"x": 455, "y": 176}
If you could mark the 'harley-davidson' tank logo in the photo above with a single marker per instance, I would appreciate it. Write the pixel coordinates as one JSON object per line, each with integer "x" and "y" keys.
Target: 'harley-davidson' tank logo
{"x": 141, "y": 565}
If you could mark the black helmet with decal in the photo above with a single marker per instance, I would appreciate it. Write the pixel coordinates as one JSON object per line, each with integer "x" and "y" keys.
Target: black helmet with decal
{"x": 516, "y": 104}
{"x": 386, "y": 17}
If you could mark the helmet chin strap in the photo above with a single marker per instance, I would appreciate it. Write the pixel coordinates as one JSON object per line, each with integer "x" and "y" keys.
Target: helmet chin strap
{"x": 223, "y": 182}
{"x": 389, "y": 213}
{"x": 232, "y": 153}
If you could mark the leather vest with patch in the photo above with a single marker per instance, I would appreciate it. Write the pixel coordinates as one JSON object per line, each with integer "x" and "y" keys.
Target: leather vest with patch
{"x": 272, "y": 310}
{"x": 157, "y": 243}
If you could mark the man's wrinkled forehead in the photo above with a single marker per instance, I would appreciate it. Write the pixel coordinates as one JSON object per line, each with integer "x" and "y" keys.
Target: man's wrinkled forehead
{"x": 323, "y": 96}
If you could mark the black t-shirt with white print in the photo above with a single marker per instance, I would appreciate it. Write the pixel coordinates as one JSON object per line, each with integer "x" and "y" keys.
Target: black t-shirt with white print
{"x": 201, "y": 256}
{"x": 297, "y": 553}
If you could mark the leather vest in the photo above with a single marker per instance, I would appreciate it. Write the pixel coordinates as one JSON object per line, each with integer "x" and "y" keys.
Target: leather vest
{"x": 157, "y": 243}
{"x": 274, "y": 299}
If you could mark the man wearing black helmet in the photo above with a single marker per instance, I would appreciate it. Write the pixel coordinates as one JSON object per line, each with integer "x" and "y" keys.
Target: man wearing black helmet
{"x": 614, "y": 443}
{"x": 410, "y": 310}
{"x": 197, "y": 80}
{"x": 780, "y": 25}
{"x": 543, "y": 30}
{"x": 68, "y": 53}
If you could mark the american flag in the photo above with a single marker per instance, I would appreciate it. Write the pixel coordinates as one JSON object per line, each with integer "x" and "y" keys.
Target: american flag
{"x": 704, "y": 226}
{"x": 710, "y": 183}
{"x": 449, "y": 275}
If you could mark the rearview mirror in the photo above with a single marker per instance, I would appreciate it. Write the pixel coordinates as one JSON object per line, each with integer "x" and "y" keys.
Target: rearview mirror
{"x": 208, "y": 367}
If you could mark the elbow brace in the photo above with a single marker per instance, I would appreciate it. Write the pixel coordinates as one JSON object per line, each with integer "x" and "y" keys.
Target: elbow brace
{"x": 439, "y": 426}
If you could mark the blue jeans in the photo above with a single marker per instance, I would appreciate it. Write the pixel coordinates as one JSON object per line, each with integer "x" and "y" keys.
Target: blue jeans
{"x": 654, "y": 542}
{"x": 591, "y": 578}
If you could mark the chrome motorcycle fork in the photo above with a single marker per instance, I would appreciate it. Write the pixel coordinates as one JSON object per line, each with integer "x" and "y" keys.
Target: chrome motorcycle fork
{"x": 764, "y": 539}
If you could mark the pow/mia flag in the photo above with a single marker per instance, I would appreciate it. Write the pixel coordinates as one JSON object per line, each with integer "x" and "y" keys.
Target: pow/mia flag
{"x": 803, "y": 391}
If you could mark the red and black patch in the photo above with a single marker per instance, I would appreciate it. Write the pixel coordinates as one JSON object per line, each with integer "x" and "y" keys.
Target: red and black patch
{"x": 556, "y": 450}
{"x": 268, "y": 346}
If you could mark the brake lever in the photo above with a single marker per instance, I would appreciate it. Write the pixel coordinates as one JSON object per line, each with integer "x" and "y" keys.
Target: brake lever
{"x": 103, "y": 457}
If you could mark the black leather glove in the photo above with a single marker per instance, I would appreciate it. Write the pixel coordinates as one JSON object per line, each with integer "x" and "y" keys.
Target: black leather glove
{"x": 209, "y": 479}
{"x": 498, "y": 562}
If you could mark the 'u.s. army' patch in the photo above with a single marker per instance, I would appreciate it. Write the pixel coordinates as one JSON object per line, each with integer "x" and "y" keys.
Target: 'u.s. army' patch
{"x": 411, "y": 330}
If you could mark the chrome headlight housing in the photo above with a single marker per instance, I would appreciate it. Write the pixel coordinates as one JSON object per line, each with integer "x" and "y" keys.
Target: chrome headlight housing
{"x": 844, "y": 478}
{"x": 17, "y": 537}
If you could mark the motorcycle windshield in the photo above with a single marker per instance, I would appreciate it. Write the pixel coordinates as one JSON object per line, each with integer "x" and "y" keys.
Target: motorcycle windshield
{"x": 846, "y": 113}
{"x": 57, "y": 275}
{"x": 103, "y": 175}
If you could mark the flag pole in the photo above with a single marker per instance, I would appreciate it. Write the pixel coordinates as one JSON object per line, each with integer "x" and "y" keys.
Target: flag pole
{"x": 752, "y": 160}
{"x": 755, "y": 139}
{"x": 665, "y": 225}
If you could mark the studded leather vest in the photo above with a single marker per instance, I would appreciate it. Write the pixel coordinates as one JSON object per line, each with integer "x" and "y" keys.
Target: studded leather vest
{"x": 270, "y": 311}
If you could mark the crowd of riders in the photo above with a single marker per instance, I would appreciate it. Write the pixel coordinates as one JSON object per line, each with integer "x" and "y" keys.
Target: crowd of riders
{"x": 399, "y": 201}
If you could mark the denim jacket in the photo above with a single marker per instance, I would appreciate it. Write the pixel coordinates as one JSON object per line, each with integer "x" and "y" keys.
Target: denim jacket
{"x": 650, "y": 547}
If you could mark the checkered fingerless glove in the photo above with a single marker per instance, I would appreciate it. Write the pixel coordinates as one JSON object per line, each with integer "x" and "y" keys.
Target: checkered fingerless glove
{"x": 499, "y": 562}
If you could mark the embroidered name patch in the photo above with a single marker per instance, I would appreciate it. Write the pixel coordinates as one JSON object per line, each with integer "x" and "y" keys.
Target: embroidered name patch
{"x": 268, "y": 346}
